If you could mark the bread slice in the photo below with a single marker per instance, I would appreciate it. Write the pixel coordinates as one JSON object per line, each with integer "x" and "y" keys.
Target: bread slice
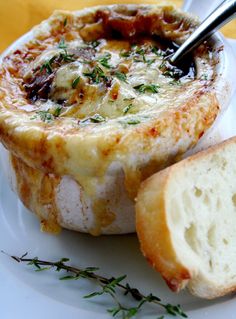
{"x": 186, "y": 222}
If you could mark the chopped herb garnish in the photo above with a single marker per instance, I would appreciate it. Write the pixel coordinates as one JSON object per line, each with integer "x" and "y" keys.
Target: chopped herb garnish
{"x": 131, "y": 121}
{"x": 127, "y": 108}
{"x": 204, "y": 77}
{"x": 142, "y": 88}
{"x": 175, "y": 82}
{"x": 67, "y": 57}
{"x": 125, "y": 54}
{"x": 138, "y": 53}
{"x": 47, "y": 116}
{"x": 104, "y": 60}
{"x": 57, "y": 111}
{"x": 62, "y": 44}
{"x": 170, "y": 70}
{"x": 65, "y": 22}
{"x": 129, "y": 98}
{"x": 121, "y": 76}
{"x": 94, "y": 44}
{"x": 157, "y": 51}
{"x": 139, "y": 50}
{"x": 44, "y": 116}
{"x": 149, "y": 62}
{"x": 97, "y": 75}
{"x": 85, "y": 61}
{"x": 75, "y": 82}
{"x": 97, "y": 118}
{"x": 48, "y": 65}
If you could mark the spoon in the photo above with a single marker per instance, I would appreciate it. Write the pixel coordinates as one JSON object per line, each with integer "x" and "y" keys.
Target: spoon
{"x": 218, "y": 18}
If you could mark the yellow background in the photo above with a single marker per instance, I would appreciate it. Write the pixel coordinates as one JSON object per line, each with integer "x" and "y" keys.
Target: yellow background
{"x": 18, "y": 16}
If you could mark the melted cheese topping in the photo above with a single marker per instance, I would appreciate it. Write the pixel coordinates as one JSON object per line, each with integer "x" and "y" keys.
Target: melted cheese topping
{"x": 118, "y": 98}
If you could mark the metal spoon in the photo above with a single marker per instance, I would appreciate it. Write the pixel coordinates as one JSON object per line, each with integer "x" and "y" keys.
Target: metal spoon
{"x": 219, "y": 17}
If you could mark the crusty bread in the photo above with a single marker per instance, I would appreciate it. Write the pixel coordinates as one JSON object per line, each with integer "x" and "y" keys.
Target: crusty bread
{"x": 186, "y": 222}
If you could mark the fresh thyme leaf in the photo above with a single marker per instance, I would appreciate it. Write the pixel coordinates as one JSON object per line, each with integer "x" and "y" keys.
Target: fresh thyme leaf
{"x": 67, "y": 57}
{"x": 114, "y": 311}
{"x": 132, "y": 312}
{"x": 108, "y": 286}
{"x": 75, "y": 82}
{"x": 44, "y": 116}
{"x": 170, "y": 70}
{"x": 97, "y": 118}
{"x": 125, "y": 54}
{"x": 121, "y": 76}
{"x": 91, "y": 269}
{"x": 157, "y": 51}
{"x": 94, "y": 44}
{"x": 204, "y": 77}
{"x": 129, "y": 99}
{"x": 93, "y": 294}
{"x": 48, "y": 65}
{"x": 175, "y": 310}
{"x": 62, "y": 44}
{"x": 132, "y": 121}
{"x": 150, "y": 62}
{"x": 175, "y": 82}
{"x": 69, "y": 277}
{"x": 139, "y": 50}
{"x": 127, "y": 108}
{"x": 57, "y": 111}
{"x": 86, "y": 61}
{"x": 65, "y": 22}
{"x": 43, "y": 269}
{"x": 138, "y": 59}
{"x": 64, "y": 260}
{"x": 115, "y": 281}
{"x": 142, "y": 88}
{"x": 104, "y": 60}
{"x": 34, "y": 261}
{"x": 96, "y": 75}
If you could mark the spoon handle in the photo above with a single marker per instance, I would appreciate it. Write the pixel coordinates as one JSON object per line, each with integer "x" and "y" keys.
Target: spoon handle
{"x": 223, "y": 14}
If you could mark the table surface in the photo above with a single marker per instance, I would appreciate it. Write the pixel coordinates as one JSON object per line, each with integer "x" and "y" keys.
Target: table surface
{"x": 17, "y": 16}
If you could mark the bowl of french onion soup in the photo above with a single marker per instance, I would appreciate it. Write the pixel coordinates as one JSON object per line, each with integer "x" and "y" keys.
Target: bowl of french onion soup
{"x": 90, "y": 107}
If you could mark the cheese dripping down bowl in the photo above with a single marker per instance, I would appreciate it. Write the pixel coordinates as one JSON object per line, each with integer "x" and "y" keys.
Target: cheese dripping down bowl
{"x": 89, "y": 109}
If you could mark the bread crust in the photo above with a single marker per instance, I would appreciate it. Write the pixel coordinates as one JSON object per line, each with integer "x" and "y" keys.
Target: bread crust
{"x": 155, "y": 235}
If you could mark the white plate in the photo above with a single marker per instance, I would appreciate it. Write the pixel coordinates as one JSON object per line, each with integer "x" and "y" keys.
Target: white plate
{"x": 26, "y": 294}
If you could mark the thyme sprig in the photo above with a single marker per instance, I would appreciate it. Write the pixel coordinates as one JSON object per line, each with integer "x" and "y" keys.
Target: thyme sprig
{"x": 104, "y": 60}
{"x": 109, "y": 286}
{"x": 48, "y": 65}
{"x": 121, "y": 76}
{"x": 97, "y": 75}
